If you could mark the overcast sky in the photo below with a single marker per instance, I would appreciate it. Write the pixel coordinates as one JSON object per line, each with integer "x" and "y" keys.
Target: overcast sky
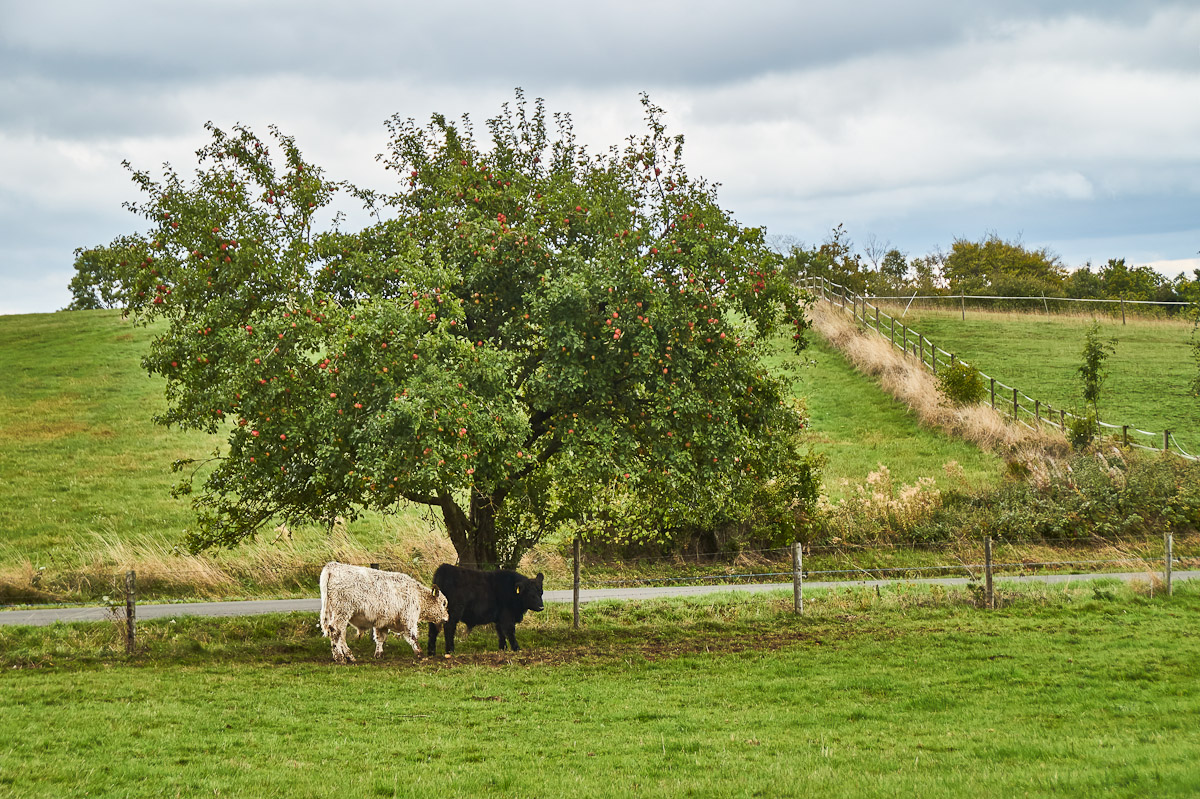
{"x": 1068, "y": 125}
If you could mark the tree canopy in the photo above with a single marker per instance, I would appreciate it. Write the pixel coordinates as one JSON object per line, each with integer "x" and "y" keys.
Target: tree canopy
{"x": 526, "y": 333}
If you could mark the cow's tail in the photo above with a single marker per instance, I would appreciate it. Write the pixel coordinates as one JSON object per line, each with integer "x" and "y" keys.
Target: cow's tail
{"x": 324, "y": 618}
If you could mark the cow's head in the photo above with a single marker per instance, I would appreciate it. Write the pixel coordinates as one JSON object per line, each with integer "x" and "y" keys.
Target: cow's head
{"x": 436, "y": 609}
{"x": 529, "y": 592}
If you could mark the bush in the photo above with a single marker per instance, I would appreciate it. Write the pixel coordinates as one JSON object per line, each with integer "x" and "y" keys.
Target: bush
{"x": 961, "y": 384}
{"x": 1082, "y": 430}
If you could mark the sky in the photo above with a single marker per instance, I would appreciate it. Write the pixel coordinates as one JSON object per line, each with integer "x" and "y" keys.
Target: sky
{"x": 1072, "y": 125}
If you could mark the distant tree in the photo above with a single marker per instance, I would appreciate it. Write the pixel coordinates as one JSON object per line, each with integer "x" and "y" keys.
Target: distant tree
{"x": 1083, "y": 283}
{"x": 525, "y": 331}
{"x": 928, "y": 272}
{"x": 97, "y": 282}
{"x": 1138, "y": 283}
{"x": 875, "y": 250}
{"x": 980, "y": 267}
{"x": 834, "y": 260}
{"x": 894, "y": 266}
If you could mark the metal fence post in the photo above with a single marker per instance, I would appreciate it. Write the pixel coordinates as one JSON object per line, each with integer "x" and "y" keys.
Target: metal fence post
{"x": 575, "y": 585}
{"x": 1167, "y": 572}
{"x": 989, "y": 593}
{"x": 798, "y": 577}
{"x": 130, "y": 612}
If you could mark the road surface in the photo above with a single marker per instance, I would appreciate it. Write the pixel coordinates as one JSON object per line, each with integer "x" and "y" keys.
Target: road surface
{"x": 41, "y": 617}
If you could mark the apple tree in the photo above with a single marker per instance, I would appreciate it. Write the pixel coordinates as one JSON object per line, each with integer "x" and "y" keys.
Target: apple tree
{"x": 525, "y": 333}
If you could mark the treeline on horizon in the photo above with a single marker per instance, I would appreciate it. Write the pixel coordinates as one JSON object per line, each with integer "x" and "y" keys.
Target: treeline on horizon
{"x": 992, "y": 267}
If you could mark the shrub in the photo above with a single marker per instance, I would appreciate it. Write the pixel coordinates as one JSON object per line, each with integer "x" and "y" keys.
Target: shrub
{"x": 1082, "y": 430}
{"x": 961, "y": 384}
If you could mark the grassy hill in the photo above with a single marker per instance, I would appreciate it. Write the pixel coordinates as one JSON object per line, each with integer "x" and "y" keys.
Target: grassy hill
{"x": 859, "y": 428}
{"x": 1151, "y": 370}
{"x": 87, "y": 472}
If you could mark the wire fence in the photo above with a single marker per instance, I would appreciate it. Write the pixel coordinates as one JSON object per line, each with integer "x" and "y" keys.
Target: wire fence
{"x": 1024, "y": 409}
{"x": 840, "y": 562}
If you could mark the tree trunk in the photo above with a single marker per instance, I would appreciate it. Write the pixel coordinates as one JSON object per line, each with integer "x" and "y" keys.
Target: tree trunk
{"x": 474, "y": 536}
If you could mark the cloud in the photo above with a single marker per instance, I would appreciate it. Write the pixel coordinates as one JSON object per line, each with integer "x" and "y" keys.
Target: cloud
{"x": 919, "y": 123}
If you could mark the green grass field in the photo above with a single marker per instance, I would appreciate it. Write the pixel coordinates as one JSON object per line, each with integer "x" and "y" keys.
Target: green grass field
{"x": 1087, "y": 691}
{"x": 87, "y": 473}
{"x": 857, "y": 426}
{"x": 1151, "y": 370}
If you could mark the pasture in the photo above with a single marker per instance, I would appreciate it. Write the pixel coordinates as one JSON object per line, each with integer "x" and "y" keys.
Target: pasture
{"x": 857, "y": 427}
{"x": 1151, "y": 370}
{"x": 1083, "y": 691}
{"x": 87, "y": 472}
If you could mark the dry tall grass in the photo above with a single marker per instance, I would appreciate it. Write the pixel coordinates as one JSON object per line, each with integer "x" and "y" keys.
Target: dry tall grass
{"x": 908, "y": 381}
{"x": 280, "y": 563}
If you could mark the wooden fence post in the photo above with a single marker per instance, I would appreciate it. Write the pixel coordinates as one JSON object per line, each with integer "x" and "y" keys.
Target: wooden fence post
{"x": 893, "y": 334}
{"x": 989, "y": 593}
{"x": 876, "y": 318}
{"x": 1167, "y": 570}
{"x": 904, "y": 333}
{"x": 130, "y": 612}
{"x": 575, "y": 584}
{"x": 798, "y": 577}
{"x": 1122, "y": 310}
{"x": 1166, "y": 440}
{"x": 993, "y": 392}
{"x": 1062, "y": 419}
{"x": 933, "y": 358}
{"x": 1037, "y": 413}
{"x": 1015, "y": 405}
{"x": 1125, "y": 434}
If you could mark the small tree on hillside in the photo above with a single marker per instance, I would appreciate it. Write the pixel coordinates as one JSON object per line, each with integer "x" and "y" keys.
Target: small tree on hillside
{"x": 526, "y": 330}
{"x": 1093, "y": 372}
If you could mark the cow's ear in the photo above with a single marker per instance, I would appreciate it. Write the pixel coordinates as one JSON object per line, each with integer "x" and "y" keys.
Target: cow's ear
{"x": 539, "y": 578}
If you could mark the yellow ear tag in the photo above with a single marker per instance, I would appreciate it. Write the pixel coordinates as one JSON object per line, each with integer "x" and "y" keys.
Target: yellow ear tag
{"x": 518, "y": 589}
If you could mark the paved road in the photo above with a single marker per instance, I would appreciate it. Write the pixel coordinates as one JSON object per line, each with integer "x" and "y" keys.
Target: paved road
{"x": 250, "y": 607}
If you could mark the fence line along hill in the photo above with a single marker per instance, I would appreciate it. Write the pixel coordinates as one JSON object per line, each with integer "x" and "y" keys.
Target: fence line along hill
{"x": 1028, "y": 411}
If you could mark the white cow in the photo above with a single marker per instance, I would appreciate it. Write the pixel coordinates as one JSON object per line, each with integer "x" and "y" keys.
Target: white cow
{"x": 377, "y": 599}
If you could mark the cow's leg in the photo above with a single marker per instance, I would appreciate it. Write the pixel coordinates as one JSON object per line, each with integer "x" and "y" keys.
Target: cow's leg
{"x": 500, "y": 635}
{"x": 337, "y": 642}
{"x": 506, "y": 631}
{"x": 448, "y": 634}
{"x": 431, "y": 650}
{"x": 510, "y": 629}
{"x": 411, "y": 634}
{"x": 379, "y": 634}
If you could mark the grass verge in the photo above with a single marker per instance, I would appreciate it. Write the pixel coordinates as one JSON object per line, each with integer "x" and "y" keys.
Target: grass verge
{"x": 1063, "y": 692}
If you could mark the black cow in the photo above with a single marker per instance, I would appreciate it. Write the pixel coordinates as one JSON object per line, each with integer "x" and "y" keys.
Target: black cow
{"x": 475, "y": 598}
